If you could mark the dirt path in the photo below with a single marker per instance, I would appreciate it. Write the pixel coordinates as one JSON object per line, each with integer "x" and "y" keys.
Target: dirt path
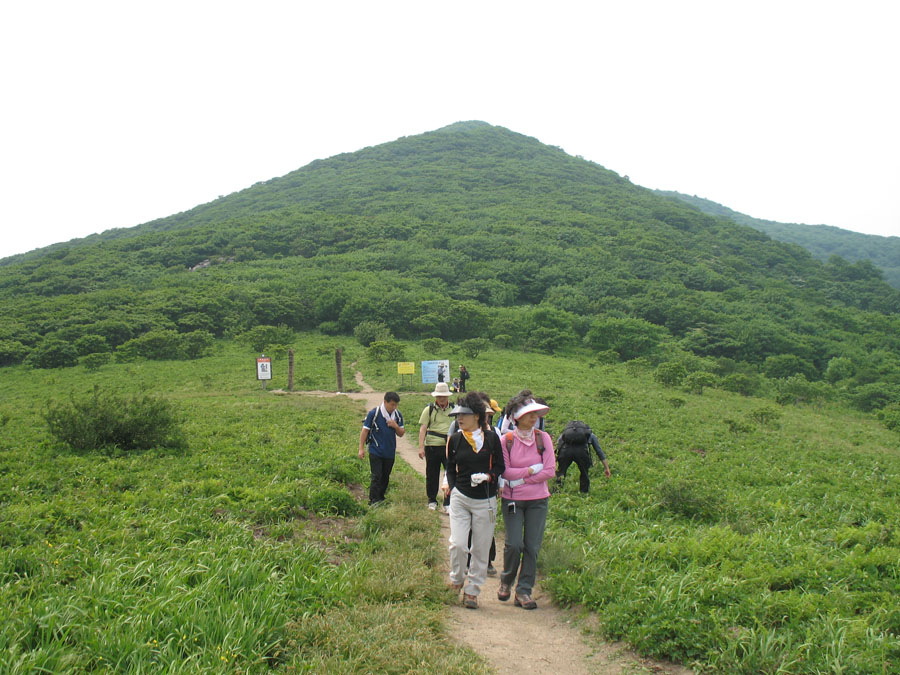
{"x": 513, "y": 640}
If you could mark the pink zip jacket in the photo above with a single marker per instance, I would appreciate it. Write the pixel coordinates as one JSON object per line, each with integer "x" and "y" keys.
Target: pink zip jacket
{"x": 522, "y": 456}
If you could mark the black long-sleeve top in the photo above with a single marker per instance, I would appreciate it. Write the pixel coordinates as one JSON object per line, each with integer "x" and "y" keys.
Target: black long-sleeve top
{"x": 463, "y": 461}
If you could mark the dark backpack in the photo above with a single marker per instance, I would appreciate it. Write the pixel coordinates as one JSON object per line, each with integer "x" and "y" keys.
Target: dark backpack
{"x": 576, "y": 434}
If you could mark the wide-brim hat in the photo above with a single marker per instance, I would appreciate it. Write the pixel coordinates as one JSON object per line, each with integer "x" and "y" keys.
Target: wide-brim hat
{"x": 441, "y": 389}
{"x": 531, "y": 406}
{"x": 461, "y": 410}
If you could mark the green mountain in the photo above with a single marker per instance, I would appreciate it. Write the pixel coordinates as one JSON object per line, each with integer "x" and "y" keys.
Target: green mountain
{"x": 823, "y": 241}
{"x": 470, "y": 231}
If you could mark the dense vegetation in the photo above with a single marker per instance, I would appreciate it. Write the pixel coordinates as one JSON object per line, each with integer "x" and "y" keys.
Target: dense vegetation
{"x": 735, "y": 535}
{"x": 823, "y": 241}
{"x": 471, "y": 231}
{"x": 248, "y": 549}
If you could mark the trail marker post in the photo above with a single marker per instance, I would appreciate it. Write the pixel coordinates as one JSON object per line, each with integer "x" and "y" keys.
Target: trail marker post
{"x": 290, "y": 370}
{"x": 338, "y": 362}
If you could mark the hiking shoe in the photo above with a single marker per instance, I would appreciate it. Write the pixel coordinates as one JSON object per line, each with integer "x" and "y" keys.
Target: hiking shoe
{"x": 492, "y": 571}
{"x": 447, "y": 509}
{"x": 503, "y": 592}
{"x": 456, "y": 588}
{"x": 432, "y": 506}
{"x": 470, "y": 601}
{"x": 525, "y": 601}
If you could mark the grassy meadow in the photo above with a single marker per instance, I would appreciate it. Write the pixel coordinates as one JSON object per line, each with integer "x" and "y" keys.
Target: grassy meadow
{"x": 735, "y": 535}
{"x": 249, "y": 550}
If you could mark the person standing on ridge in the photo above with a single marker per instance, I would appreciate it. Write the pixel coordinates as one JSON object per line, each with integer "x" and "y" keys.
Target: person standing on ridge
{"x": 382, "y": 426}
{"x": 463, "y": 376}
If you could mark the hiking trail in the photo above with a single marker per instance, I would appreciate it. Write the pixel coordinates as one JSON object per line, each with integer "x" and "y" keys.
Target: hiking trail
{"x": 511, "y": 639}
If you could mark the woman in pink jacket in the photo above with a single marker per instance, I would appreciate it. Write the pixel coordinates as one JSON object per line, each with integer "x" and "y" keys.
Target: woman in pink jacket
{"x": 530, "y": 463}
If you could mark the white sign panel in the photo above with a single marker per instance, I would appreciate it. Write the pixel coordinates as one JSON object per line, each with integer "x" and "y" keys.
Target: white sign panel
{"x": 264, "y": 368}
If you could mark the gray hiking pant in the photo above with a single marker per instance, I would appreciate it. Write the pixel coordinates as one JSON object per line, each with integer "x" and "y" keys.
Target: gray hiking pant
{"x": 524, "y": 535}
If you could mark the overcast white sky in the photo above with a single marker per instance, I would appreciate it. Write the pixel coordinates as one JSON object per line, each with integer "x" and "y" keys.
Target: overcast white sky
{"x": 116, "y": 113}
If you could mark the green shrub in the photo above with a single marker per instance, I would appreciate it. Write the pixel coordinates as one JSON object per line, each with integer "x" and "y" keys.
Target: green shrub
{"x": 797, "y": 389}
{"x": 12, "y": 352}
{"x": 636, "y": 366}
{"x": 503, "y": 341}
{"x": 386, "y": 350}
{"x": 890, "y": 416}
{"x": 785, "y": 365}
{"x": 744, "y": 384}
{"x": 330, "y": 327}
{"x": 197, "y": 343}
{"x": 93, "y": 362}
{"x": 260, "y": 338}
{"x": 367, "y": 332}
{"x": 433, "y": 346}
{"x": 333, "y": 501}
{"x": 606, "y": 357}
{"x": 548, "y": 340}
{"x": 610, "y": 394}
{"x": 105, "y": 421}
{"x": 473, "y": 347}
{"x": 875, "y": 396}
{"x": 630, "y": 338}
{"x": 53, "y": 353}
{"x": 688, "y": 498}
{"x": 670, "y": 373}
{"x": 344, "y": 470}
{"x": 695, "y": 382}
{"x": 91, "y": 344}
{"x": 738, "y": 426}
{"x": 839, "y": 368}
{"x": 158, "y": 345}
{"x": 766, "y": 415}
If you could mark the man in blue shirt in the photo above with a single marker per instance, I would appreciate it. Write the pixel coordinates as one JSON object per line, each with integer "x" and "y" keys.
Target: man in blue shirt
{"x": 380, "y": 430}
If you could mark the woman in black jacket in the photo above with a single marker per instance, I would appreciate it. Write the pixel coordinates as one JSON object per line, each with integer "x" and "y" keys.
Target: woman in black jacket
{"x": 474, "y": 463}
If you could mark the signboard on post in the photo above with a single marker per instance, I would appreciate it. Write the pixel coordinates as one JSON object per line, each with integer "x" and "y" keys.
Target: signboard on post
{"x": 406, "y": 368}
{"x": 264, "y": 368}
{"x": 431, "y": 371}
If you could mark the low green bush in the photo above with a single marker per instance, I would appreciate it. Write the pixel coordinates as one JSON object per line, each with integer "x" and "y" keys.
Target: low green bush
{"x": 368, "y": 332}
{"x": 109, "y": 422}
{"x": 890, "y": 416}
{"x": 333, "y": 501}
{"x": 688, "y": 498}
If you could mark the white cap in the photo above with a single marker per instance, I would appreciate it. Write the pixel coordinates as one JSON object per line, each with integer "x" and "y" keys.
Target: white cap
{"x": 531, "y": 406}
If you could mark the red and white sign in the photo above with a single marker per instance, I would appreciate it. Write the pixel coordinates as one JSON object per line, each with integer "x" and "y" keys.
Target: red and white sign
{"x": 264, "y": 368}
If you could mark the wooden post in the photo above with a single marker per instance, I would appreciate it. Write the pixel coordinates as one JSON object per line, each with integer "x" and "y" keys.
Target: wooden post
{"x": 338, "y": 358}
{"x": 290, "y": 370}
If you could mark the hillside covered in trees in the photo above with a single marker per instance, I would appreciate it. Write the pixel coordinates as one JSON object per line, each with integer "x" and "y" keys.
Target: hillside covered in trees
{"x": 470, "y": 231}
{"x": 823, "y": 241}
